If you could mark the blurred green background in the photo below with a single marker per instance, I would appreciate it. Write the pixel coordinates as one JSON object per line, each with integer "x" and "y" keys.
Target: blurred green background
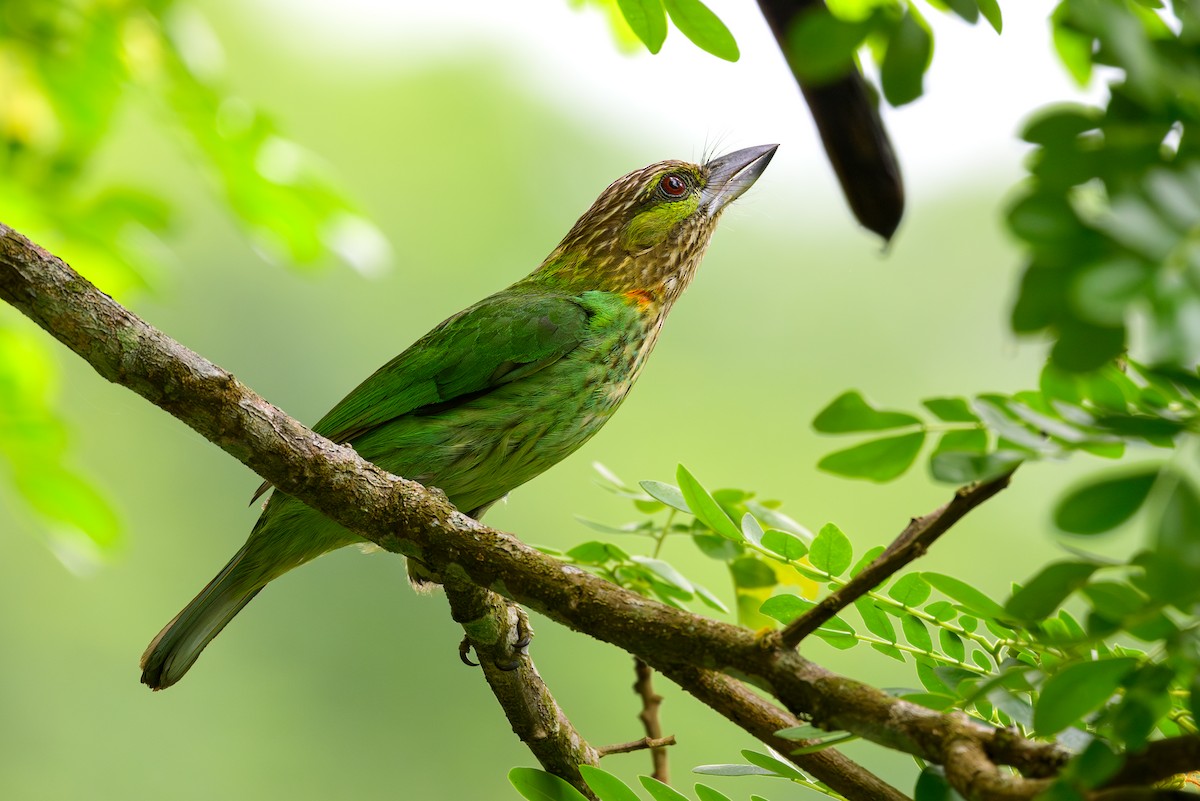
{"x": 341, "y": 682}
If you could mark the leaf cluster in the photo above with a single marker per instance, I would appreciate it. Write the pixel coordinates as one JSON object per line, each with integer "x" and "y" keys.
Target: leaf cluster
{"x": 824, "y": 41}
{"x": 1108, "y": 216}
{"x": 538, "y": 785}
{"x": 1107, "y": 412}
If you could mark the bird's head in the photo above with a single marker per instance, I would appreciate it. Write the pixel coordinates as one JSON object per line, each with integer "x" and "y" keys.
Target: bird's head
{"x": 649, "y": 229}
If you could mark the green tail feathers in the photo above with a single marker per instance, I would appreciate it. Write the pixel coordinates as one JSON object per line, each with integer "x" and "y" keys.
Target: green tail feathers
{"x": 179, "y": 644}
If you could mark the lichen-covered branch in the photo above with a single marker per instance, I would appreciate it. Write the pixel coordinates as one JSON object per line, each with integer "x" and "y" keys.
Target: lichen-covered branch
{"x": 404, "y": 517}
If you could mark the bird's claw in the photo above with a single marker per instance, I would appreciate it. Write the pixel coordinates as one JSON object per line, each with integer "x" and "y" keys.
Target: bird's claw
{"x": 524, "y": 638}
{"x": 464, "y": 650}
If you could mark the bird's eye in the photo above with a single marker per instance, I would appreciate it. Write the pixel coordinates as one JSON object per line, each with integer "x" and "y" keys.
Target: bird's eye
{"x": 673, "y": 185}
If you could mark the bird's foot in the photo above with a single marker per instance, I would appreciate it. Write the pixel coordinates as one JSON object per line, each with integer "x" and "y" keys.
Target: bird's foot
{"x": 524, "y": 636}
{"x": 464, "y": 652}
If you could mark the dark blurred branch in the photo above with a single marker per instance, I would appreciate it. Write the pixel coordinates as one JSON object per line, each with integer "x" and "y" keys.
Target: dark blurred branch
{"x": 912, "y": 543}
{"x": 404, "y": 517}
{"x": 847, "y": 118}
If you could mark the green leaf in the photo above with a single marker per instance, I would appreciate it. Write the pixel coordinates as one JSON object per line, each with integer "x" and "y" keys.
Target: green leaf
{"x": 869, "y": 556}
{"x": 1105, "y": 503}
{"x": 538, "y": 785}
{"x": 1084, "y": 346}
{"x": 935, "y": 701}
{"x": 916, "y": 633}
{"x": 1076, "y": 690}
{"x": 667, "y": 493}
{"x": 1043, "y": 218}
{"x": 910, "y": 590}
{"x": 909, "y": 51}
{"x": 878, "y": 460}
{"x": 752, "y": 530}
{"x": 774, "y": 518}
{"x": 731, "y": 770}
{"x": 941, "y": 611}
{"x": 789, "y": 546}
{"x": 776, "y": 766}
{"x": 1048, "y": 589}
{"x": 59, "y": 494}
{"x": 750, "y": 572}
{"x": 606, "y": 786}
{"x": 821, "y": 47}
{"x": 952, "y": 645}
{"x": 932, "y": 786}
{"x": 710, "y": 600}
{"x": 991, "y": 12}
{"x": 971, "y": 440}
{"x": 850, "y": 413}
{"x": 961, "y": 467}
{"x": 597, "y": 553}
{"x": 876, "y": 621}
{"x": 698, "y": 23}
{"x": 665, "y": 572}
{"x": 785, "y": 608}
{"x": 951, "y": 410}
{"x": 647, "y": 19}
{"x": 972, "y": 599}
{"x": 831, "y": 551}
{"x": 705, "y": 507}
{"x": 1074, "y": 47}
{"x": 659, "y": 791}
{"x": 706, "y": 793}
{"x": 808, "y": 732}
{"x": 1179, "y": 526}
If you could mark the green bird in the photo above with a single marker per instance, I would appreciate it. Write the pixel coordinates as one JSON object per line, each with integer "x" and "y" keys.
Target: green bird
{"x": 503, "y": 390}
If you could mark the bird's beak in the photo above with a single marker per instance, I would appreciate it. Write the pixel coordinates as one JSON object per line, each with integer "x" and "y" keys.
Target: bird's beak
{"x": 732, "y": 174}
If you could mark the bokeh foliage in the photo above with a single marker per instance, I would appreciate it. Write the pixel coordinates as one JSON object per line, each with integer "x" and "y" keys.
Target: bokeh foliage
{"x": 68, "y": 70}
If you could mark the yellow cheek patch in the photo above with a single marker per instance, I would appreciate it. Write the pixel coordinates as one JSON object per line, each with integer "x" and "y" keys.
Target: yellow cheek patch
{"x": 654, "y": 224}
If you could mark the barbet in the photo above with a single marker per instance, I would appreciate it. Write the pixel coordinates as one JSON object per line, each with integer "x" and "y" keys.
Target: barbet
{"x": 502, "y": 391}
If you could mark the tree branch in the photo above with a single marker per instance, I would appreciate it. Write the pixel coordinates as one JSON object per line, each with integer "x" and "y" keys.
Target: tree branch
{"x": 912, "y": 543}
{"x": 497, "y": 630}
{"x": 404, "y": 517}
{"x": 1159, "y": 760}
{"x": 760, "y": 718}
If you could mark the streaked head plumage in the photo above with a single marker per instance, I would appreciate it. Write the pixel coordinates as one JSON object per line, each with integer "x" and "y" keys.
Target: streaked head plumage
{"x": 649, "y": 229}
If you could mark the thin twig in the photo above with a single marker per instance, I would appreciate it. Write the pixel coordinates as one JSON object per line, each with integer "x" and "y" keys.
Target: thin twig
{"x": 912, "y": 543}
{"x": 651, "y": 701}
{"x": 637, "y": 745}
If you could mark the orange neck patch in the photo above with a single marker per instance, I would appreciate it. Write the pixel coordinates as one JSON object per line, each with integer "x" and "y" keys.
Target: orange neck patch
{"x": 642, "y": 297}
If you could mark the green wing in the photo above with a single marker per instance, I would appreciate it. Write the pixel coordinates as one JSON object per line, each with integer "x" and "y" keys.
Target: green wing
{"x": 500, "y": 339}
